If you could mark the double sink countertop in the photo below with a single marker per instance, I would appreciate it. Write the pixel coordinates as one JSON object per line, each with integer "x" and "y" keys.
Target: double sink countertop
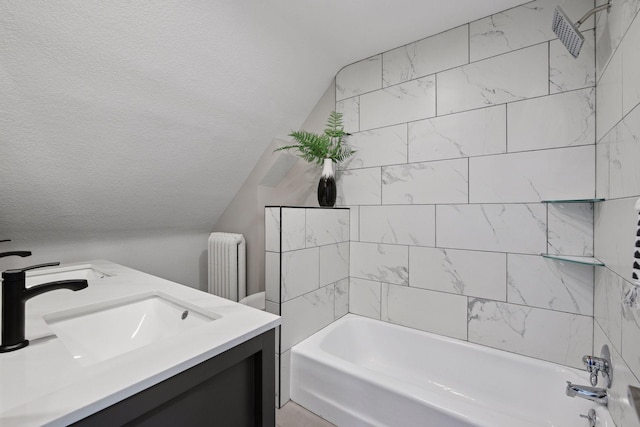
{"x": 42, "y": 384}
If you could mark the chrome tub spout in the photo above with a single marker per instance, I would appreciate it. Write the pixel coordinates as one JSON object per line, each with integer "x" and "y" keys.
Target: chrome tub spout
{"x": 595, "y": 394}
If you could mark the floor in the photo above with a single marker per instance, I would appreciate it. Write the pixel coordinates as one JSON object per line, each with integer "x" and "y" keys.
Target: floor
{"x": 294, "y": 415}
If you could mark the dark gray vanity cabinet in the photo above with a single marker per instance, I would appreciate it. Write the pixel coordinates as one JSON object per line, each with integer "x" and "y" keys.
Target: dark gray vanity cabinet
{"x": 235, "y": 388}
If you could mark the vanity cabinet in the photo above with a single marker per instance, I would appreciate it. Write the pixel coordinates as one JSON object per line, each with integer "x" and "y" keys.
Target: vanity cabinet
{"x": 235, "y": 388}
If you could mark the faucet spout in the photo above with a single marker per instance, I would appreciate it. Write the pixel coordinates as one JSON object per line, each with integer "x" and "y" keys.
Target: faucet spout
{"x": 594, "y": 394}
{"x": 14, "y": 297}
{"x": 72, "y": 285}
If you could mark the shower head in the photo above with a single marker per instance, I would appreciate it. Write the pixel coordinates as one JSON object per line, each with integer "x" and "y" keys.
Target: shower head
{"x": 568, "y": 33}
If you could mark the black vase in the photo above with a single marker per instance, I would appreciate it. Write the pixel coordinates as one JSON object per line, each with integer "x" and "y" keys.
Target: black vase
{"x": 327, "y": 185}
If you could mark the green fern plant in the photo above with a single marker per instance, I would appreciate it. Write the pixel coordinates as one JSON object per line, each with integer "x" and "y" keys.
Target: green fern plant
{"x": 314, "y": 148}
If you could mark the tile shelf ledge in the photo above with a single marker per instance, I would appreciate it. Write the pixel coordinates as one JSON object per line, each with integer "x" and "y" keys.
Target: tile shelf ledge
{"x": 584, "y": 260}
{"x": 574, "y": 201}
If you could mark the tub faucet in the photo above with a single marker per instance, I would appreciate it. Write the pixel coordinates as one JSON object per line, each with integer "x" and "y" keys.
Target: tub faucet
{"x": 595, "y": 365}
{"x": 594, "y": 394}
{"x": 14, "y": 297}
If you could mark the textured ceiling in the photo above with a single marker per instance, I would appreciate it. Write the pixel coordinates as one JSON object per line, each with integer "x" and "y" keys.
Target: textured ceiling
{"x": 125, "y": 115}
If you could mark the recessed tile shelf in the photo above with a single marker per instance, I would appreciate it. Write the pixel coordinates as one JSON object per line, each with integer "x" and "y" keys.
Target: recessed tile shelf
{"x": 574, "y": 201}
{"x": 585, "y": 260}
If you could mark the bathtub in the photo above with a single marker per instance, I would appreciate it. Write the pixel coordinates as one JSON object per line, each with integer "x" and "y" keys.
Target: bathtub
{"x": 364, "y": 372}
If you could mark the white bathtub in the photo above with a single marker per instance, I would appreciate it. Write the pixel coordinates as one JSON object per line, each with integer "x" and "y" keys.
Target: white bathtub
{"x": 364, "y": 372}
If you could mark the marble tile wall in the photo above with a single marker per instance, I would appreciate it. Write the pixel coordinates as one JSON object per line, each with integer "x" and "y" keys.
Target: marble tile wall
{"x": 617, "y": 324}
{"x": 460, "y": 137}
{"x": 306, "y": 275}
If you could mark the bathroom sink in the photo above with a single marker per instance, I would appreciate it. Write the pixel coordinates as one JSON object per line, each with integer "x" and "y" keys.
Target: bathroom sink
{"x": 73, "y": 272}
{"x": 98, "y": 332}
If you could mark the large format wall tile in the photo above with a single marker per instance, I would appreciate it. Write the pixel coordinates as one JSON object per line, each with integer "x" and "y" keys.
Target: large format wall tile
{"x": 293, "y": 229}
{"x": 570, "y": 229}
{"x": 354, "y": 223}
{"x": 378, "y": 147}
{"x": 300, "y": 272}
{"x": 437, "y": 312}
{"x": 611, "y": 27}
{"x": 624, "y": 155}
{"x": 541, "y": 308}
{"x": 272, "y": 229}
{"x": 609, "y": 97}
{"x": 614, "y": 233}
{"x": 413, "y": 100}
{"x": 359, "y": 187}
{"x": 569, "y": 73}
{"x": 549, "y": 335}
{"x": 444, "y": 181}
{"x": 608, "y": 310}
{"x": 405, "y": 225}
{"x": 602, "y": 166}
{"x": 520, "y": 27}
{"x": 361, "y": 77}
{"x": 539, "y": 282}
{"x": 272, "y": 277}
{"x": 306, "y": 315}
{"x": 559, "y": 174}
{"x": 350, "y": 109}
{"x": 383, "y": 263}
{"x": 471, "y": 133}
{"x": 559, "y": 120}
{"x": 472, "y": 273}
{"x": 334, "y": 263}
{"x": 326, "y": 226}
{"x": 341, "y": 306}
{"x": 364, "y": 296}
{"x": 631, "y": 67}
{"x": 630, "y": 334}
{"x": 495, "y": 80}
{"x": 494, "y": 227}
{"x": 428, "y": 56}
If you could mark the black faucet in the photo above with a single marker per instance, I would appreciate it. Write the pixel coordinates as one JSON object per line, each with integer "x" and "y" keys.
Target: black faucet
{"x": 14, "y": 297}
{"x": 15, "y": 253}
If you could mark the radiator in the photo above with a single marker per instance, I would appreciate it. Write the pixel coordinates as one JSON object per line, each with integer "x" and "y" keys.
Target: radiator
{"x": 227, "y": 266}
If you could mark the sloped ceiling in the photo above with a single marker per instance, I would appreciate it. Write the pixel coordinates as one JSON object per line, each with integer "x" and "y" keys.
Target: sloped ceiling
{"x": 145, "y": 115}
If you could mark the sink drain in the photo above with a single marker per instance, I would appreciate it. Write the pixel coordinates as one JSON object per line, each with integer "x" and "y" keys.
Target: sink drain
{"x": 185, "y": 314}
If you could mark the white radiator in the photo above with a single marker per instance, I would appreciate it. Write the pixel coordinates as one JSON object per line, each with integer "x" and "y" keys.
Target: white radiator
{"x": 227, "y": 266}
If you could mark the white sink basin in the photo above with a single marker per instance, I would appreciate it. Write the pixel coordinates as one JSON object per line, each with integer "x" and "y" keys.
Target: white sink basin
{"x": 101, "y": 331}
{"x": 73, "y": 272}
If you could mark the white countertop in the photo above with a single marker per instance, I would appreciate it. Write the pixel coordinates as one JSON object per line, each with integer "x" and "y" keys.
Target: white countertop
{"x": 42, "y": 384}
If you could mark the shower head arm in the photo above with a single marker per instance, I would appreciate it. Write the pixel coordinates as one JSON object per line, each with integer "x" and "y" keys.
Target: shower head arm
{"x": 591, "y": 12}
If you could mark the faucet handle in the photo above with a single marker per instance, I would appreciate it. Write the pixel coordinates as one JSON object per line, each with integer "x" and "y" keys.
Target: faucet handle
{"x": 591, "y": 417}
{"x": 595, "y": 365}
{"x": 32, "y": 267}
{"x": 599, "y": 364}
{"x": 15, "y": 253}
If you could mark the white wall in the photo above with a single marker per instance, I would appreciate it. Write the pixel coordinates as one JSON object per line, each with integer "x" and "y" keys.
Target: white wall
{"x": 460, "y": 138}
{"x": 245, "y": 214}
{"x": 177, "y": 257}
{"x": 618, "y": 180}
